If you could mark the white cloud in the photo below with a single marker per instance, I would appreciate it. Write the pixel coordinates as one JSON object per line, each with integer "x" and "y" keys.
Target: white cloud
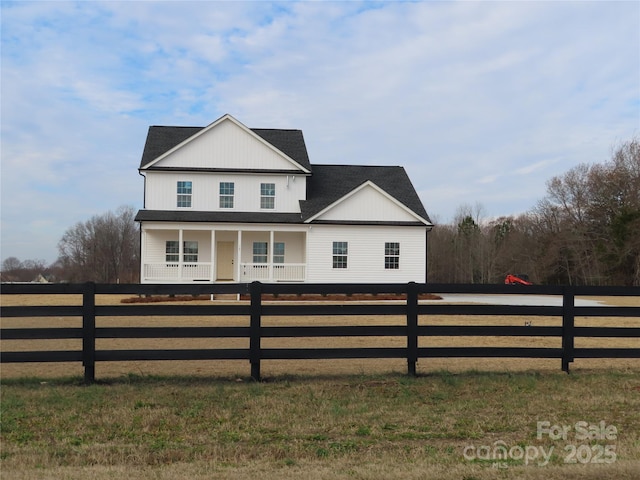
{"x": 480, "y": 101}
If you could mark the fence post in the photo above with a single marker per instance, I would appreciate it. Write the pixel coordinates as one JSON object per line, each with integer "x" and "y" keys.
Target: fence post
{"x": 568, "y": 323}
{"x": 412, "y": 327}
{"x": 255, "y": 290}
{"x": 89, "y": 332}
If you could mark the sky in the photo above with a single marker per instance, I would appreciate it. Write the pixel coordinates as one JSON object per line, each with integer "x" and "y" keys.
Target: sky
{"x": 482, "y": 102}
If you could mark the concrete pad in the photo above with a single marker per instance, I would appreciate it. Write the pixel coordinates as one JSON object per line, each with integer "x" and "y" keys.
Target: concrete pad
{"x": 535, "y": 300}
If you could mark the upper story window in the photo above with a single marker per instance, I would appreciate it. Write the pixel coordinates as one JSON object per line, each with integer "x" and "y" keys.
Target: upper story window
{"x": 340, "y": 251}
{"x": 184, "y": 194}
{"x": 260, "y": 252}
{"x": 267, "y": 195}
{"x": 391, "y": 255}
{"x": 226, "y": 194}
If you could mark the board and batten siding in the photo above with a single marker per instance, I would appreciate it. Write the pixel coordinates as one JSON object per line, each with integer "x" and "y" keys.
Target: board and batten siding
{"x": 161, "y": 191}
{"x": 227, "y": 146}
{"x": 365, "y": 259}
{"x": 368, "y": 204}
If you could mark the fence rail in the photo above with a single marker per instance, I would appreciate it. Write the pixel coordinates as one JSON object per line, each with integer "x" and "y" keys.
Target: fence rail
{"x": 410, "y": 308}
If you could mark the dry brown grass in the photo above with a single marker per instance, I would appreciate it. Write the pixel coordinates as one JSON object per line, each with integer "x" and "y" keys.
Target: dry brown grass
{"x": 314, "y": 419}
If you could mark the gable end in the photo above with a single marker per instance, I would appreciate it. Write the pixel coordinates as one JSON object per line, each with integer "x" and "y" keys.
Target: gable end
{"x": 331, "y": 184}
{"x": 164, "y": 140}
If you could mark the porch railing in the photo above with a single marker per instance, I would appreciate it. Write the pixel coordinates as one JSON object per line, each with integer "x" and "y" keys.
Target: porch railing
{"x": 163, "y": 272}
{"x": 249, "y": 272}
{"x": 272, "y": 272}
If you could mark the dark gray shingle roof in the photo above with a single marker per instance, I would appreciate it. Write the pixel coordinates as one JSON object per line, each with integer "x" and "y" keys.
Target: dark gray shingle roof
{"x": 331, "y": 182}
{"x": 215, "y": 217}
{"x": 162, "y": 139}
{"x": 327, "y": 184}
{"x": 289, "y": 142}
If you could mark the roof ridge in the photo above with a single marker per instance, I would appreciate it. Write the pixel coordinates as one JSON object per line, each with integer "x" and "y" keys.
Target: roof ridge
{"x": 354, "y": 165}
{"x": 279, "y": 129}
{"x": 175, "y": 126}
{"x": 250, "y": 128}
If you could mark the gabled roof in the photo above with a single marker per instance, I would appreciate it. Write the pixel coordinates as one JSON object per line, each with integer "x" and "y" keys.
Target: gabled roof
{"x": 289, "y": 142}
{"x": 161, "y": 139}
{"x": 330, "y": 183}
{"x": 327, "y": 186}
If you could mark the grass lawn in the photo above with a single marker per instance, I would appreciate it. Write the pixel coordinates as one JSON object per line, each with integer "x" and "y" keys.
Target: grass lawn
{"x": 320, "y": 419}
{"x": 441, "y": 425}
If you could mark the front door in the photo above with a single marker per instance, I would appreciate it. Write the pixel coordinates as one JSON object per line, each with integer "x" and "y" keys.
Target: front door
{"x": 224, "y": 261}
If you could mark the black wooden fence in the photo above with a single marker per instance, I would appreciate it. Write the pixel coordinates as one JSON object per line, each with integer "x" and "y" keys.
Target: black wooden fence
{"x": 411, "y": 309}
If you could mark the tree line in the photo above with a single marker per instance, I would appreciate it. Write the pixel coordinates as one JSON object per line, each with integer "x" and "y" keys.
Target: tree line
{"x": 103, "y": 249}
{"x": 585, "y": 231}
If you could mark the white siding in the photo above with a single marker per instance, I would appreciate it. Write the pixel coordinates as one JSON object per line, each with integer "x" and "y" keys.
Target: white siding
{"x": 204, "y": 243}
{"x": 161, "y": 191}
{"x": 366, "y": 254}
{"x": 227, "y": 145}
{"x": 294, "y": 245}
{"x": 155, "y": 243}
{"x": 247, "y": 244}
{"x": 368, "y": 204}
{"x": 156, "y": 234}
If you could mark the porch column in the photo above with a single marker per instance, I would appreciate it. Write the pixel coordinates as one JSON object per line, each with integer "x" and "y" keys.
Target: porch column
{"x": 212, "y": 274}
{"x": 143, "y": 254}
{"x": 239, "y": 256}
{"x": 270, "y": 255}
{"x": 305, "y": 257}
{"x": 180, "y": 252}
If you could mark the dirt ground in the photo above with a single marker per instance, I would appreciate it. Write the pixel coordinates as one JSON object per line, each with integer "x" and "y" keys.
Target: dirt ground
{"x": 241, "y": 368}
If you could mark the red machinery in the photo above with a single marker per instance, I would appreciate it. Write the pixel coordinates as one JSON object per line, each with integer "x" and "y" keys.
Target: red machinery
{"x": 517, "y": 280}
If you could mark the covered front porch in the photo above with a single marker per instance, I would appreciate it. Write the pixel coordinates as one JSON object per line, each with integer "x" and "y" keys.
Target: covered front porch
{"x": 209, "y": 255}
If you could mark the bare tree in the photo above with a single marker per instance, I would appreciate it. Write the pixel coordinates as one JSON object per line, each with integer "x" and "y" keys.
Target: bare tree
{"x": 14, "y": 270}
{"x": 10, "y": 264}
{"x": 589, "y": 221}
{"x": 441, "y": 254}
{"x": 103, "y": 249}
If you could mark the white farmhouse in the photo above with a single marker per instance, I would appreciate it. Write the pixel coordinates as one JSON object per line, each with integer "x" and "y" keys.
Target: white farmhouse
{"x": 226, "y": 203}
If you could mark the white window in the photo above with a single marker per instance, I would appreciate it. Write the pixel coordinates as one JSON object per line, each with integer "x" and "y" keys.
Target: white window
{"x": 340, "y": 251}
{"x": 268, "y": 195}
{"x": 259, "y": 252}
{"x": 184, "y": 194}
{"x": 226, "y": 194}
{"x": 391, "y": 255}
{"x": 172, "y": 251}
{"x": 190, "y": 253}
{"x": 278, "y": 252}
